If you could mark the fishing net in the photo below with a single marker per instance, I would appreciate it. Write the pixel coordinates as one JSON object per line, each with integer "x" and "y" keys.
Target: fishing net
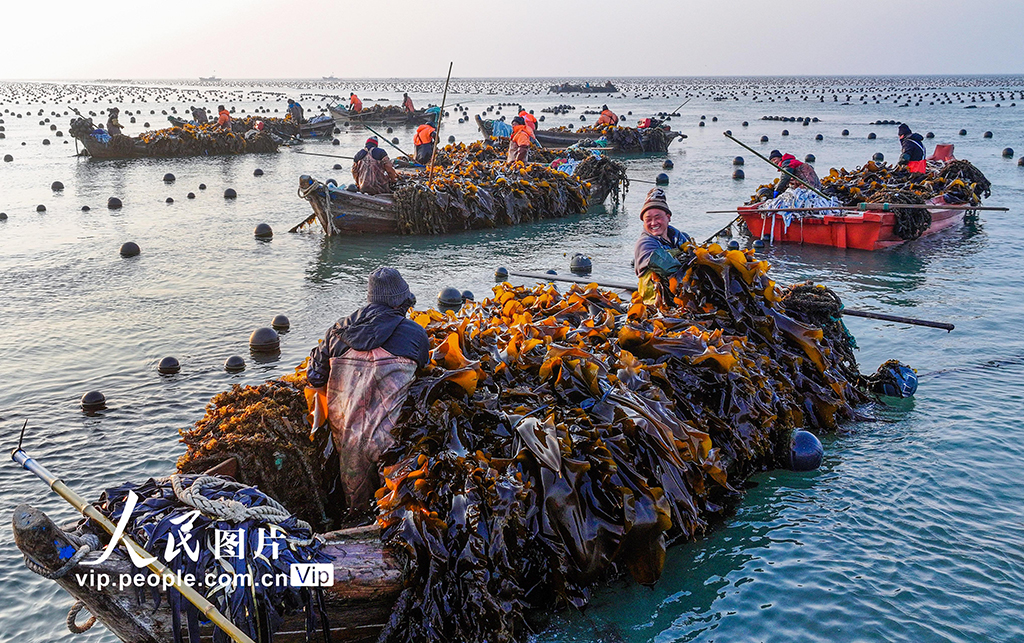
{"x": 559, "y": 437}
{"x": 264, "y": 428}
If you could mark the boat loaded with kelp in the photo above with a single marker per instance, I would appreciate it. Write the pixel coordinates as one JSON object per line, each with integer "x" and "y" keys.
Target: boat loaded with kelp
{"x": 317, "y": 127}
{"x": 471, "y": 188}
{"x": 383, "y": 115}
{"x": 612, "y": 138}
{"x": 187, "y": 140}
{"x": 556, "y": 439}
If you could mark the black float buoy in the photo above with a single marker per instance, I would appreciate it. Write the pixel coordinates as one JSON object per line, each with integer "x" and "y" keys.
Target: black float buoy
{"x": 168, "y": 178}
{"x": 738, "y": 160}
{"x": 963, "y": 132}
{"x": 451, "y": 139}
{"x": 1008, "y": 153}
{"x": 846, "y": 132}
{"x": 3, "y": 216}
{"x": 758, "y": 244}
{"x": 257, "y": 172}
{"x": 264, "y": 340}
{"x": 8, "y": 158}
{"x": 230, "y": 193}
{"x": 467, "y": 295}
{"x": 335, "y": 142}
{"x": 114, "y": 203}
{"x": 700, "y": 124}
{"x": 872, "y": 136}
{"x": 764, "y": 139}
{"x": 501, "y": 274}
{"x": 449, "y": 299}
{"x": 337, "y": 166}
{"x": 929, "y": 135}
{"x": 661, "y": 179}
{"x": 85, "y": 208}
{"x": 391, "y": 130}
{"x": 280, "y": 323}
{"x": 202, "y": 186}
{"x": 130, "y": 249}
{"x": 234, "y": 364}
{"x": 190, "y": 195}
{"x": 738, "y": 175}
{"x": 581, "y": 264}
{"x": 93, "y": 401}
{"x": 40, "y": 208}
{"x": 169, "y": 200}
{"x": 819, "y": 137}
{"x": 56, "y": 186}
{"x": 805, "y": 451}
{"x": 168, "y": 366}
{"x": 46, "y": 141}
{"x": 785, "y": 132}
{"x": 745, "y": 123}
{"x": 734, "y": 245}
{"x": 987, "y": 135}
{"x": 878, "y": 156}
{"x": 263, "y": 231}
{"x": 809, "y": 158}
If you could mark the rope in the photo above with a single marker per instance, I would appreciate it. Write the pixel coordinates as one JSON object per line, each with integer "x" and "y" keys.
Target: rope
{"x": 233, "y": 510}
{"x": 86, "y": 544}
{"x": 73, "y": 614}
{"x": 304, "y": 193}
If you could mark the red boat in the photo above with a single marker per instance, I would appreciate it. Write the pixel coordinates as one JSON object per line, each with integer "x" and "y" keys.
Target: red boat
{"x": 860, "y": 230}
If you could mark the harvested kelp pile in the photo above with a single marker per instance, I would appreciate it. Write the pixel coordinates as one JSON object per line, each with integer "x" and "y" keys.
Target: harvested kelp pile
{"x": 626, "y": 139}
{"x": 560, "y": 437}
{"x": 188, "y": 139}
{"x": 486, "y": 194}
{"x": 264, "y": 428}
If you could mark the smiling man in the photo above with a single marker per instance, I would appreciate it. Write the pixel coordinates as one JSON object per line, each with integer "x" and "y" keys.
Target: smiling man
{"x": 658, "y": 243}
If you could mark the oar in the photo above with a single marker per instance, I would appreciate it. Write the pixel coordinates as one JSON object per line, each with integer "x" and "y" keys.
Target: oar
{"x": 205, "y": 607}
{"x": 845, "y": 311}
{"x": 677, "y": 109}
{"x": 783, "y": 170}
{"x": 440, "y": 115}
{"x": 305, "y": 221}
{"x": 386, "y": 140}
{"x": 330, "y": 156}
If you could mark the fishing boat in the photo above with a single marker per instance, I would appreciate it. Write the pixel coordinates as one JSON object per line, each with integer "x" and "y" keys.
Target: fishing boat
{"x": 586, "y": 88}
{"x": 286, "y": 129}
{"x": 869, "y": 230}
{"x": 175, "y": 142}
{"x": 645, "y": 140}
{"x": 210, "y": 79}
{"x": 379, "y": 115}
{"x": 330, "y": 78}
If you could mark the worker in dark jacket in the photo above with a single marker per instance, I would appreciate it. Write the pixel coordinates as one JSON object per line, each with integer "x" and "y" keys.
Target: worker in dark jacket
{"x": 359, "y": 377}
{"x": 801, "y": 170}
{"x": 199, "y": 115}
{"x": 113, "y": 126}
{"x": 295, "y": 111}
{"x": 424, "y": 140}
{"x": 913, "y": 152}
{"x": 372, "y": 169}
{"x": 659, "y": 242}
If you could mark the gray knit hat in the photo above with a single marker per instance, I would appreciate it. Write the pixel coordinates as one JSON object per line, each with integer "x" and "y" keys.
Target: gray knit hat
{"x": 387, "y": 287}
{"x": 656, "y": 200}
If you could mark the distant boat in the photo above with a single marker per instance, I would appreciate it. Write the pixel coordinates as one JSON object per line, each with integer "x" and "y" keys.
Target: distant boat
{"x": 211, "y": 79}
{"x": 331, "y": 77}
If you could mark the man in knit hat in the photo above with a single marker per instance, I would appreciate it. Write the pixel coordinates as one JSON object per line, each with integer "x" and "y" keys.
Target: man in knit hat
{"x": 359, "y": 376}
{"x": 912, "y": 153}
{"x": 802, "y": 171}
{"x": 659, "y": 242}
{"x": 372, "y": 169}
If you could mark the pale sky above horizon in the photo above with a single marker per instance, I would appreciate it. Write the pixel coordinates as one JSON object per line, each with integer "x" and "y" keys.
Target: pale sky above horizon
{"x": 60, "y": 39}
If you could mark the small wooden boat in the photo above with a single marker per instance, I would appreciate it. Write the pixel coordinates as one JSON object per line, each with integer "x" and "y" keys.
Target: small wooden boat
{"x": 858, "y": 230}
{"x": 566, "y": 138}
{"x": 378, "y": 115}
{"x": 587, "y": 88}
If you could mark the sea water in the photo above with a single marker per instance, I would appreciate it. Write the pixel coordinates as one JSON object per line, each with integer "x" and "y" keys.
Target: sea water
{"x": 911, "y": 530}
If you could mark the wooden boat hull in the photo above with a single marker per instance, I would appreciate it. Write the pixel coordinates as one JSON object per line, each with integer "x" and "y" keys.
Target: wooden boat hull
{"x": 103, "y": 151}
{"x": 345, "y": 117}
{"x": 860, "y": 231}
{"x": 367, "y": 582}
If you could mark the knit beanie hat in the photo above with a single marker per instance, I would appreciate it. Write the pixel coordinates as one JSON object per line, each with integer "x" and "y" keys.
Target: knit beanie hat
{"x": 656, "y": 199}
{"x": 774, "y": 154}
{"x": 371, "y": 142}
{"x": 903, "y": 130}
{"x": 387, "y": 287}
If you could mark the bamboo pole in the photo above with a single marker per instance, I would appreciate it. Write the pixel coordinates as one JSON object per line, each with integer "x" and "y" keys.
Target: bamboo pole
{"x": 768, "y": 161}
{"x": 440, "y": 115}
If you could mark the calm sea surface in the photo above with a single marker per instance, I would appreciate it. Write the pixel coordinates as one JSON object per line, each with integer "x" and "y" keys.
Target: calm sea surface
{"x": 912, "y": 530}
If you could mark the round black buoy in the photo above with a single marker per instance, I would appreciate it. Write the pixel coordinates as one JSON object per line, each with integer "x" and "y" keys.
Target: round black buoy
{"x": 846, "y": 132}
{"x": 987, "y": 135}
{"x": 337, "y": 166}
{"x": 230, "y": 193}
{"x": 700, "y": 124}
{"x": 168, "y": 366}
{"x": 819, "y": 137}
{"x": 94, "y": 401}
{"x": 8, "y": 158}
{"x": 661, "y": 179}
{"x": 56, "y": 186}
{"x": 280, "y": 323}
{"x": 257, "y": 172}
{"x": 114, "y": 203}
{"x": 449, "y": 299}
{"x": 738, "y": 160}
{"x": 581, "y": 264}
{"x": 234, "y": 364}
{"x": 335, "y": 142}
{"x": 809, "y": 158}
{"x": 1008, "y": 153}
{"x": 202, "y": 186}
{"x": 929, "y": 135}
{"x": 805, "y": 451}
{"x": 394, "y": 141}
{"x": 264, "y": 340}
{"x": 1020, "y": 162}
{"x": 190, "y": 195}
{"x": 169, "y": 200}
{"x": 3, "y": 216}
{"x": 785, "y": 132}
{"x": 263, "y": 231}
{"x": 878, "y": 156}
{"x": 501, "y": 274}
{"x": 451, "y": 139}
{"x": 758, "y": 244}
{"x": 667, "y": 165}
{"x": 872, "y": 136}
{"x": 40, "y": 208}
{"x": 168, "y": 178}
{"x": 85, "y": 208}
{"x": 391, "y": 130}
{"x": 764, "y": 139}
{"x": 738, "y": 174}
{"x": 467, "y": 295}
{"x": 734, "y": 245}
{"x": 963, "y": 132}
{"x": 130, "y": 249}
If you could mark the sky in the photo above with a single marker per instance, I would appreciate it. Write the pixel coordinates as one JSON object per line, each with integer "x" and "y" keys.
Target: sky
{"x": 144, "y": 39}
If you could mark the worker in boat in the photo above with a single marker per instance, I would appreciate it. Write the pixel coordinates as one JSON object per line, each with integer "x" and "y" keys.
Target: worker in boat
{"x": 913, "y": 152}
{"x": 223, "y": 117}
{"x": 199, "y": 116}
{"x": 801, "y": 170}
{"x": 295, "y": 111}
{"x": 372, "y": 169}
{"x": 607, "y": 117}
{"x": 113, "y": 126}
{"x": 426, "y": 135}
{"x": 407, "y": 104}
{"x": 359, "y": 377}
{"x": 356, "y": 105}
{"x": 519, "y": 143}
{"x": 530, "y": 120}
{"x": 659, "y": 243}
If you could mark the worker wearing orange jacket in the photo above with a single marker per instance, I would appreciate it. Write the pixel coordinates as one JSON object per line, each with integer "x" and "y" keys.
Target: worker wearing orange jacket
{"x": 357, "y": 105}
{"x": 519, "y": 144}
{"x": 223, "y": 117}
{"x": 607, "y": 117}
{"x": 530, "y": 120}
{"x": 424, "y": 142}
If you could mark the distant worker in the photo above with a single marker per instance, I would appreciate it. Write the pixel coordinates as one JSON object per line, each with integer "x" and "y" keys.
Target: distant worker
{"x": 223, "y": 117}
{"x": 372, "y": 169}
{"x": 659, "y": 243}
{"x": 407, "y": 104}
{"x": 607, "y": 117}
{"x": 519, "y": 144}
{"x": 913, "y": 155}
{"x": 426, "y": 135}
{"x": 801, "y": 170}
{"x": 359, "y": 377}
{"x": 530, "y": 120}
{"x": 113, "y": 127}
{"x": 199, "y": 116}
{"x": 295, "y": 111}
{"x": 356, "y": 105}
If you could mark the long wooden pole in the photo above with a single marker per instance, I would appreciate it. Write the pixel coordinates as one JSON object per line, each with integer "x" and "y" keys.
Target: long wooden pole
{"x": 378, "y": 134}
{"x": 440, "y": 115}
{"x": 631, "y": 287}
{"x": 783, "y": 170}
{"x": 205, "y": 607}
